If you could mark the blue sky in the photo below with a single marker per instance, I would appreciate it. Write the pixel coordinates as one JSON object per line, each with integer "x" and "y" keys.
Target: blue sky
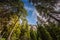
{"x": 32, "y": 18}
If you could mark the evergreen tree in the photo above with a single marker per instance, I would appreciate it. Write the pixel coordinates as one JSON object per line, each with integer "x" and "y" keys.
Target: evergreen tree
{"x": 43, "y": 34}
{"x": 33, "y": 35}
{"x": 25, "y": 31}
{"x": 10, "y": 13}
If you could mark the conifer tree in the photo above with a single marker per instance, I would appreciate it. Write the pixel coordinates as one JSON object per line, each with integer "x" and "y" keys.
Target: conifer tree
{"x": 10, "y": 13}
{"x": 33, "y": 35}
{"x": 25, "y": 31}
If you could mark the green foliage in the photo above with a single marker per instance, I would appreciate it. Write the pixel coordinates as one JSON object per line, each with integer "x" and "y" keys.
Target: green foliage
{"x": 11, "y": 29}
{"x": 43, "y": 33}
{"x": 25, "y": 32}
{"x": 10, "y": 13}
{"x": 54, "y": 31}
{"x": 48, "y": 32}
{"x": 51, "y": 31}
{"x": 33, "y": 35}
{"x": 2, "y": 38}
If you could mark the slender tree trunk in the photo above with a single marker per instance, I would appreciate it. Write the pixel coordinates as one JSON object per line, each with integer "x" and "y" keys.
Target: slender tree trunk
{"x": 12, "y": 30}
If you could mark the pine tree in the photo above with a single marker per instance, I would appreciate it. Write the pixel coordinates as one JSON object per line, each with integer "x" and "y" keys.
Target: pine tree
{"x": 10, "y": 13}
{"x": 43, "y": 34}
{"x": 25, "y": 32}
{"x": 33, "y": 35}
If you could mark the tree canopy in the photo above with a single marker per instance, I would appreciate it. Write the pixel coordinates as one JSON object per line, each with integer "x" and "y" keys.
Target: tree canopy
{"x": 47, "y": 9}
